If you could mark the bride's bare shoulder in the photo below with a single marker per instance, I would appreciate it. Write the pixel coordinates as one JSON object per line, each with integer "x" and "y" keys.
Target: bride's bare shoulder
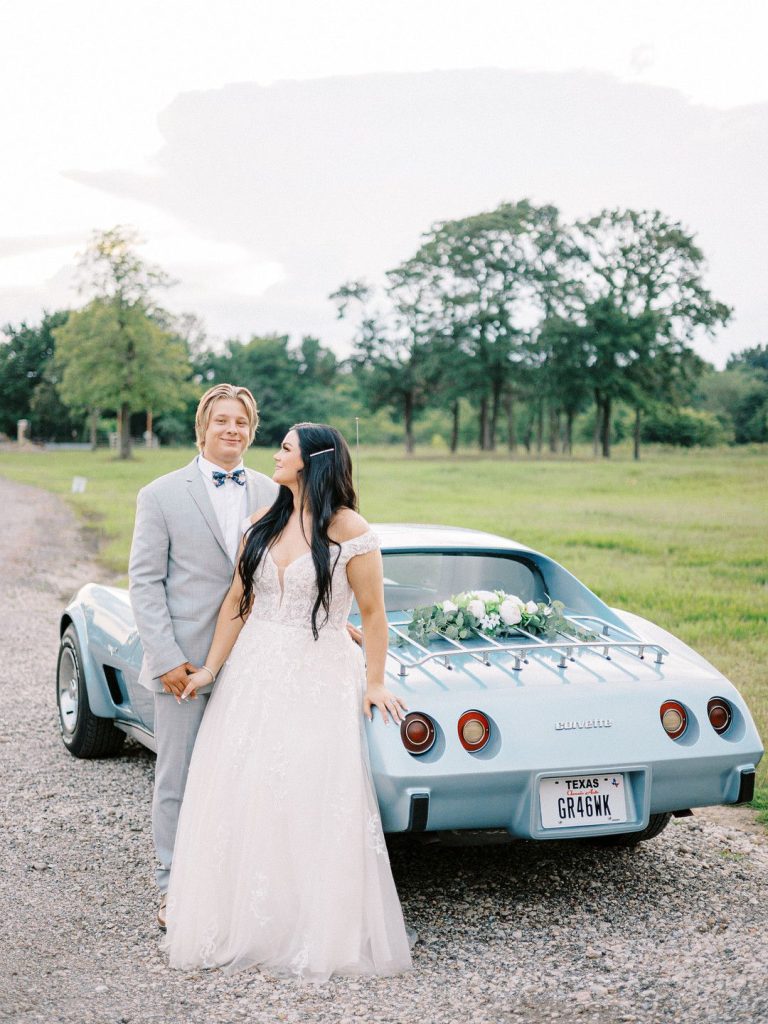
{"x": 346, "y": 525}
{"x": 259, "y": 513}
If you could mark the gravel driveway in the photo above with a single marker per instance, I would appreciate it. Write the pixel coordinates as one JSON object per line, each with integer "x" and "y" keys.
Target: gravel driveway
{"x": 676, "y": 930}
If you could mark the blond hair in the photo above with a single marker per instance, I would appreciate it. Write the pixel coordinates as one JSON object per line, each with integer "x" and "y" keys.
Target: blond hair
{"x": 211, "y": 396}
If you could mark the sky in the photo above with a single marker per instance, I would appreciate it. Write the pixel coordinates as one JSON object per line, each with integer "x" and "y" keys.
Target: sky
{"x": 193, "y": 121}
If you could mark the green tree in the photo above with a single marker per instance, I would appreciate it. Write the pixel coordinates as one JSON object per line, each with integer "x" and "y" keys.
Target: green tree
{"x": 27, "y": 381}
{"x": 738, "y": 395}
{"x": 319, "y": 395}
{"x": 290, "y": 384}
{"x": 684, "y": 427}
{"x": 644, "y": 300}
{"x": 668, "y": 378}
{"x": 449, "y": 392}
{"x": 116, "y": 352}
{"x": 563, "y": 350}
{"x": 750, "y": 411}
{"x": 484, "y": 281}
{"x": 395, "y": 365}
{"x": 50, "y": 418}
{"x": 755, "y": 359}
{"x": 116, "y": 357}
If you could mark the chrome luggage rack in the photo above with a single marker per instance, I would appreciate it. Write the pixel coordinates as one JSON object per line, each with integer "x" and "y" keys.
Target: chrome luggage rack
{"x": 571, "y": 645}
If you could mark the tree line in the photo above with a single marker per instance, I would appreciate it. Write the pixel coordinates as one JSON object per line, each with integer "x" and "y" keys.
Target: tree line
{"x": 508, "y": 328}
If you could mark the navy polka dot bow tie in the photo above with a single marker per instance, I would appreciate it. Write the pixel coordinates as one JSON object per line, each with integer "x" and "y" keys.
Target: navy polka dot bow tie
{"x": 238, "y": 475}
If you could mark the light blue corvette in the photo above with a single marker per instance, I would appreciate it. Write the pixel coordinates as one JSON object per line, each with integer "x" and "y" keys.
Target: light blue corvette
{"x": 547, "y": 739}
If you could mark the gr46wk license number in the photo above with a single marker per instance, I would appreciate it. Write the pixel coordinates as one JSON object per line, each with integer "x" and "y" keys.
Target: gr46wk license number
{"x": 573, "y": 800}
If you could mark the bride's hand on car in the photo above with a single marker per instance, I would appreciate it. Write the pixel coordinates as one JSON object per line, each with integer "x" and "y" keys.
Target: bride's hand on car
{"x": 387, "y": 703}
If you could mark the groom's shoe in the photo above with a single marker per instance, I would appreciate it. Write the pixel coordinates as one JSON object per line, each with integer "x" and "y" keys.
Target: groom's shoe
{"x": 161, "y": 912}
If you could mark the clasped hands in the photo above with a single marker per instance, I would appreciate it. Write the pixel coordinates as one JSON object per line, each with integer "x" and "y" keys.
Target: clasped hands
{"x": 175, "y": 681}
{"x": 185, "y": 680}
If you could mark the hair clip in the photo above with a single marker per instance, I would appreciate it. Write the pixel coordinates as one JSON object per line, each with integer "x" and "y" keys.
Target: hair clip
{"x": 313, "y": 454}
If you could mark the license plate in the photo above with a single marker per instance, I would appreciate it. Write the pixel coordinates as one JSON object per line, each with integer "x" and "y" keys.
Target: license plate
{"x": 573, "y": 800}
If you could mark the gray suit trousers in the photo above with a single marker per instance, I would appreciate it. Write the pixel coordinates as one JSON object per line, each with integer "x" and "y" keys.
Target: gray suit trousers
{"x": 176, "y": 728}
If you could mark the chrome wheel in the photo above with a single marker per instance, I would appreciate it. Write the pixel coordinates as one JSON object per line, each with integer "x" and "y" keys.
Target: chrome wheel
{"x": 68, "y": 690}
{"x": 83, "y": 733}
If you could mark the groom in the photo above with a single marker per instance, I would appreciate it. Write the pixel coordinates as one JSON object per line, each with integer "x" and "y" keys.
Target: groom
{"x": 185, "y": 541}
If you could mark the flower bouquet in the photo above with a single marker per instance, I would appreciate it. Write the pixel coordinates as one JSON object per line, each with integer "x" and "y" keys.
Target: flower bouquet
{"x": 492, "y": 613}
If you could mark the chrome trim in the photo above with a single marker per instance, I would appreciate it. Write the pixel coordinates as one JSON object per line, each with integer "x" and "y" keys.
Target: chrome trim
{"x": 572, "y": 645}
{"x": 140, "y": 733}
{"x": 68, "y": 684}
{"x": 584, "y": 723}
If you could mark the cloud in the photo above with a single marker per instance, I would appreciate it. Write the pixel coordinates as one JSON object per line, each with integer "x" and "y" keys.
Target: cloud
{"x": 337, "y": 178}
{"x": 642, "y": 58}
{"x": 10, "y": 247}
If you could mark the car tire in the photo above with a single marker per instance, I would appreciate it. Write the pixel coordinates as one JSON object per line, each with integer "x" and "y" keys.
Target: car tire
{"x": 656, "y": 824}
{"x": 83, "y": 733}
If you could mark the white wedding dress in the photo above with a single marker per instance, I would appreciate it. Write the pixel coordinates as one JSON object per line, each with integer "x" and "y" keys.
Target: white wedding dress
{"x": 280, "y": 858}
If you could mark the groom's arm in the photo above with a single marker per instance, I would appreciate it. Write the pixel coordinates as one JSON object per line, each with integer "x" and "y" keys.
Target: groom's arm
{"x": 147, "y": 573}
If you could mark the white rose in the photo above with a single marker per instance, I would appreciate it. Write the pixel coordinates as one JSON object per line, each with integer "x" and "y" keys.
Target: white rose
{"x": 510, "y": 612}
{"x": 486, "y": 595}
{"x": 476, "y": 608}
{"x": 515, "y": 599}
{"x": 531, "y": 607}
{"x": 449, "y": 606}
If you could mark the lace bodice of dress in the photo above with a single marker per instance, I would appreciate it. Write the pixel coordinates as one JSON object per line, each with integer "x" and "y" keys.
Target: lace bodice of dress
{"x": 292, "y": 602}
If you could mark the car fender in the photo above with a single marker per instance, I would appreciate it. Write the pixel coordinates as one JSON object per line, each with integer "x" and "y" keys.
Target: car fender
{"x": 655, "y": 634}
{"x": 74, "y": 614}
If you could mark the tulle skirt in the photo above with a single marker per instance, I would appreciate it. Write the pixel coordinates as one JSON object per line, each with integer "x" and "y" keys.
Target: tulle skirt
{"x": 280, "y": 858}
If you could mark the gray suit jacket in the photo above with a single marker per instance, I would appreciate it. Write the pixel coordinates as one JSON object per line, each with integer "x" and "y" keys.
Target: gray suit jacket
{"x": 179, "y": 569}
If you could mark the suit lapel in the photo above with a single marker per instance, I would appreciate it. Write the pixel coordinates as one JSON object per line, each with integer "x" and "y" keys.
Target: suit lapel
{"x": 199, "y": 494}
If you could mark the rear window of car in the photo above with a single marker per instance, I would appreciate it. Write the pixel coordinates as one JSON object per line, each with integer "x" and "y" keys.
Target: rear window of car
{"x": 415, "y": 579}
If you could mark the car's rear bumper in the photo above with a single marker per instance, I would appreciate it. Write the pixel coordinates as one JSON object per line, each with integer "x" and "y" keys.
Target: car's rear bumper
{"x": 510, "y": 799}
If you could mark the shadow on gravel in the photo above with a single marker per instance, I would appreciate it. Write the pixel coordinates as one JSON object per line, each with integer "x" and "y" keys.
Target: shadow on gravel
{"x": 536, "y": 884}
{"x": 133, "y": 751}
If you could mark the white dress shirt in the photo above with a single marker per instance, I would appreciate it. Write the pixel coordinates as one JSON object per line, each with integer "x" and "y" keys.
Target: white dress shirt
{"x": 230, "y": 503}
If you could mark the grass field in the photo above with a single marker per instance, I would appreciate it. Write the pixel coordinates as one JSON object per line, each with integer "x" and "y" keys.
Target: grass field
{"x": 680, "y": 537}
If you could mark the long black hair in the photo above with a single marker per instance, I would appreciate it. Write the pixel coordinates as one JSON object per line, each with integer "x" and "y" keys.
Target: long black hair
{"x": 325, "y": 486}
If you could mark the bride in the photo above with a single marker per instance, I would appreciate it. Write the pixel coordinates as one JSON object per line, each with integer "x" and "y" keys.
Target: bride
{"x": 280, "y": 858}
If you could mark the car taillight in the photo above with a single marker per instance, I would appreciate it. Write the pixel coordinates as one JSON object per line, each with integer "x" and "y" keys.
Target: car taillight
{"x": 720, "y": 714}
{"x": 417, "y": 733}
{"x": 673, "y": 718}
{"x": 474, "y": 730}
